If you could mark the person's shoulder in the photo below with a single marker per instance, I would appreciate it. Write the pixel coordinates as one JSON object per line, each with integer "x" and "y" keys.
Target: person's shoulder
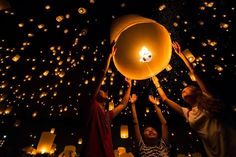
{"x": 165, "y": 143}
{"x": 141, "y": 143}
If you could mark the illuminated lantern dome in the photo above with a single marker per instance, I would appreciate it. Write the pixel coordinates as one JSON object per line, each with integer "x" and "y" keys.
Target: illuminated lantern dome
{"x": 143, "y": 46}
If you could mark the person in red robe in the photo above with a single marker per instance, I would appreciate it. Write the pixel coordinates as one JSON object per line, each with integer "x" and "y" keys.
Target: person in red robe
{"x": 97, "y": 140}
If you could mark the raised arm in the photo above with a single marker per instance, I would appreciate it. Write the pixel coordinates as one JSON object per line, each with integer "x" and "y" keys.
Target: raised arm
{"x": 164, "y": 127}
{"x": 165, "y": 99}
{"x": 125, "y": 99}
{"x": 177, "y": 49}
{"x": 133, "y": 100}
{"x": 104, "y": 71}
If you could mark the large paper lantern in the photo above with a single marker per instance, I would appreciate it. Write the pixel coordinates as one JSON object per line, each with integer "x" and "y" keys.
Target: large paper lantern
{"x": 45, "y": 142}
{"x": 143, "y": 46}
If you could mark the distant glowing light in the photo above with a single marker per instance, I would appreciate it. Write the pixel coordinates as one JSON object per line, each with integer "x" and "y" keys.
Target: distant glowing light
{"x": 47, "y": 7}
{"x": 162, "y": 7}
{"x": 209, "y": 4}
{"x": 175, "y": 24}
{"x": 211, "y": 43}
{"x": 124, "y": 131}
{"x": 219, "y": 68}
{"x": 82, "y": 10}
{"x": 147, "y": 110}
{"x": 21, "y": 25}
{"x": 66, "y": 31}
{"x": 30, "y": 34}
{"x": 224, "y": 25}
{"x": 16, "y": 58}
{"x": 188, "y": 54}
{"x": 40, "y": 26}
{"x": 59, "y": 18}
{"x": 45, "y": 73}
{"x": 80, "y": 141}
{"x": 34, "y": 114}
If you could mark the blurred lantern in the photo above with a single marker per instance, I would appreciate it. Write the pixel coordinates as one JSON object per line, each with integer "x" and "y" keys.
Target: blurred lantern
{"x": 158, "y": 101}
{"x": 52, "y": 131}
{"x": 17, "y": 123}
{"x": 45, "y": 142}
{"x": 2, "y": 97}
{"x": 80, "y": 141}
{"x": 147, "y": 110}
{"x": 219, "y": 68}
{"x": 187, "y": 53}
{"x": 82, "y": 10}
{"x": 121, "y": 150}
{"x": 8, "y": 110}
{"x": 4, "y": 5}
{"x": 124, "y": 131}
{"x": 111, "y": 106}
{"x": 16, "y": 58}
{"x": 168, "y": 67}
{"x": 143, "y": 46}
{"x": 34, "y": 114}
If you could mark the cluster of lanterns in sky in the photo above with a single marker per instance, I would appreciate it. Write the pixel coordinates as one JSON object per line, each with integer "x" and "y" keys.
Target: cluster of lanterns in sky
{"x": 50, "y": 68}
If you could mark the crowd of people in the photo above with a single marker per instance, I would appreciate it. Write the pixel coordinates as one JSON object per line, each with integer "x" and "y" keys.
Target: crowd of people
{"x": 203, "y": 116}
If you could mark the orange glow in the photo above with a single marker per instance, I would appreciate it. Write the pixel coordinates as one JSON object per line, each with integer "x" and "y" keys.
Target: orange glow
{"x": 124, "y": 131}
{"x": 143, "y": 46}
{"x": 187, "y": 53}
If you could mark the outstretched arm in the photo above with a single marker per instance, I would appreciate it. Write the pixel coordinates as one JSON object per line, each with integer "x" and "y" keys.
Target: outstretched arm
{"x": 164, "y": 127}
{"x": 133, "y": 100}
{"x": 200, "y": 83}
{"x": 165, "y": 99}
{"x": 125, "y": 99}
{"x": 104, "y": 71}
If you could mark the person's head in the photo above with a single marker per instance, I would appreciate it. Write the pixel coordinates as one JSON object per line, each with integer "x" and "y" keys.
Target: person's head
{"x": 150, "y": 133}
{"x": 194, "y": 96}
{"x": 102, "y": 96}
{"x": 191, "y": 94}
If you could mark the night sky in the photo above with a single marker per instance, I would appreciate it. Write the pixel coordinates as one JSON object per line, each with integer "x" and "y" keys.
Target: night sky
{"x": 51, "y": 53}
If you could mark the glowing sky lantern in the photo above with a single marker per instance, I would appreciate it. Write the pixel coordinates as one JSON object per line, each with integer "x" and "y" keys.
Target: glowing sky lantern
{"x": 143, "y": 46}
{"x": 124, "y": 131}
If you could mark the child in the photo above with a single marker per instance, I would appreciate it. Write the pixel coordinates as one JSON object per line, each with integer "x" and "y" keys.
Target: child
{"x": 151, "y": 145}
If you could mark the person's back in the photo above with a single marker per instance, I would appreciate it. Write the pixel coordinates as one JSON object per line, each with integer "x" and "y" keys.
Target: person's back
{"x": 217, "y": 139}
{"x": 97, "y": 132}
{"x": 95, "y": 121}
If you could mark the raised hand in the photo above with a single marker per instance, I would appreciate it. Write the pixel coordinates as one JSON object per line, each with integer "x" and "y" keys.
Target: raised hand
{"x": 177, "y": 49}
{"x": 133, "y": 98}
{"x": 153, "y": 100}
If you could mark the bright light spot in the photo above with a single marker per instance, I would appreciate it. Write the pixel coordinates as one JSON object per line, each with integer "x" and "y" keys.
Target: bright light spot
{"x": 145, "y": 55}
